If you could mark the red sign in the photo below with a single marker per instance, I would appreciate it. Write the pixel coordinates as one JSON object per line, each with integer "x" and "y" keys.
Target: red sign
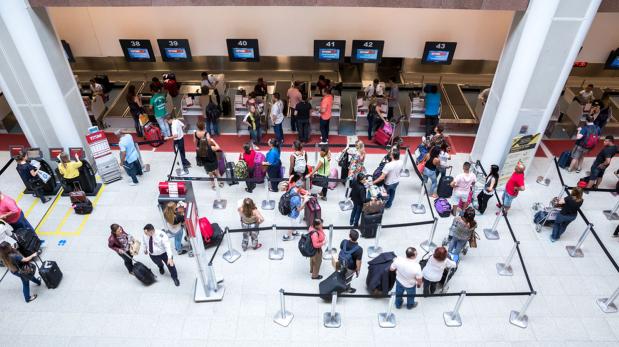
{"x": 580, "y": 64}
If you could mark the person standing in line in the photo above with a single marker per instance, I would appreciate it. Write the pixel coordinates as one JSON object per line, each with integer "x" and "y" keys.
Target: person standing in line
{"x": 249, "y": 156}
{"x": 129, "y": 157}
{"x": 349, "y": 258}
{"x": 273, "y": 163}
{"x": 430, "y": 169}
{"x": 323, "y": 169}
{"x": 178, "y": 135}
{"x": 174, "y": 215}
{"x": 158, "y": 103}
{"x": 433, "y": 271}
{"x": 69, "y": 169}
{"x": 325, "y": 114}
{"x": 250, "y": 218}
{"x": 374, "y": 90}
{"x": 433, "y": 107}
{"x": 604, "y": 112}
{"x": 317, "y": 234}
{"x": 322, "y": 84}
{"x": 298, "y": 199}
{"x": 514, "y": 185}
{"x": 392, "y": 99}
{"x": 444, "y": 157}
{"x": 157, "y": 246}
{"x": 569, "y": 210}
{"x": 601, "y": 162}
{"x": 252, "y": 119}
{"x": 586, "y": 94}
{"x": 408, "y": 277}
{"x": 21, "y": 267}
{"x": 210, "y": 81}
{"x": 277, "y": 117}
{"x": 30, "y": 175}
{"x": 212, "y": 112}
{"x": 302, "y": 113}
{"x": 120, "y": 242}
{"x": 461, "y": 230}
{"x": 294, "y": 98}
{"x": 357, "y": 160}
{"x": 135, "y": 107}
{"x": 358, "y": 195}
{"x": 96, "y": 88}
{"x": 298, "y": 160}
{"x": 462, "y": 184}
{"x": 391, "y": 176}
{"x": 206, "y": 148}
{"x": 489, "y": 187}
{"x": 586, "y": 140}
{"x": 12, "y": 214}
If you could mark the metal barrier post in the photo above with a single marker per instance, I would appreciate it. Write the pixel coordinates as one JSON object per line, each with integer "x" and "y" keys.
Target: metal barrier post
{"x": 231, "y": 255}
{"x": 387, "y": 319}
{"x": 575, "y": 251}
{"x": 493, "y": 233}
{"x": 268, "y": 204}
{"x": 375, "y": 250}
{"x": 346, "y": 204}
{"x": 405, "y": 172}
{"x": 612, "y": 214}
{"x": 283, "y": 317}
{"x": 520, "y": 319}
{"x": 505, "y": 269}
{"x": 308, "y": 182}
{"x": 316, "y": 150}
{"x": 332, "y": 319}
{"x": 429, "y": 245}
{"x": 452, "y": 318}
{"x": 216, "y": 289}
{"x": 328, "y": 253}
{"x": 275, "y": 252}
{"x": 544, "y": 180}
{"x": 219, "y": 203}
{"x": 607, "y": 305}
{"x": 419, "y": 208}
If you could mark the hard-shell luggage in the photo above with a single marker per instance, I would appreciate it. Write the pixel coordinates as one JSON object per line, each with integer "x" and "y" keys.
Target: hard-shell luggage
{"x": 27, "y": 241}
{"x": 333, "y": 175}
{"x": 153, "y": 133}
{"x": 221, "y": 162}
{"x": 143, "y": 273}
{"x": 83, "y": 207}
{"x": 50, "y": 274}
{"x": 369, "y": 224}
{"x": 442, "y": 207}
{"x": 259, "y": 171}
{"x": 336, "y": 282}
{"x": 445, "y": 189}
{"x": 230, "y": 173}
{"x": 383, "y": 135}
{"x": 565, "y": 159}
{"x": 165, "y": 187}
{"x": 540, "y": 217}
{"x": 312, "y": 210}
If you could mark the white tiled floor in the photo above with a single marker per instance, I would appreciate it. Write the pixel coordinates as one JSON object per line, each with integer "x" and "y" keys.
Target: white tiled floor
{"x": 98, "y": 303}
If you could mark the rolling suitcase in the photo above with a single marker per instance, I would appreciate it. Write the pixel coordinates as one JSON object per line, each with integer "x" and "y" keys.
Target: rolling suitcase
{"x": 383, "y": 135}
{"x": 153, "y": 133}
{"x": 259, "y": 171}
{"x": 230, "y": 173}
{"x": 443, "y": 207}
{"x": 143, "y": 273}
{"x": 312, "y": 210}
{"x": 179, "y": 187}
{"x": 369, "y": 224}
{"x": 445, "y": 189}
{"x": 27, "y": 241}
{"x": 50, "y": 273}
{"x": 565, "y": 159}
{"x": 336, "y": 282}
{"x": 221, "y": 162}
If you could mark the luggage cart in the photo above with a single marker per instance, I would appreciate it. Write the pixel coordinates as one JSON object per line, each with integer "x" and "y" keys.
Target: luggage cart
{"x": 448, "y": 273}
{"x": 545, "y": 216}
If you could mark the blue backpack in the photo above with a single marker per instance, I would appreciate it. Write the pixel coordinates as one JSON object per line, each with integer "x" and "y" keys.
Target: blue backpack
{"x": 345, "y": 257}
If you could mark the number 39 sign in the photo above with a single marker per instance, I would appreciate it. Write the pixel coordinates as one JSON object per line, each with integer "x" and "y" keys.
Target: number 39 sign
{"x": 174, "y": 49}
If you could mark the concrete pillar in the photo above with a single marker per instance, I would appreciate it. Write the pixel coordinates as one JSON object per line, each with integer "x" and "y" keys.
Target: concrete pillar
{"x": 535, "y": 63}
{"x": 37, "y": 79}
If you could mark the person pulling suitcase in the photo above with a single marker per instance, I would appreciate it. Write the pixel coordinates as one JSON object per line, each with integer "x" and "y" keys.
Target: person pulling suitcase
{"x": 349, "y": 258}
{"x": 157, "y": 246}
{"x": 21, "y": 267}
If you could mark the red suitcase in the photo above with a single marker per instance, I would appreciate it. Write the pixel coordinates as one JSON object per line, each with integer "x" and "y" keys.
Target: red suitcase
{"x": 153, "y": 133}
{"x": 164, "y": 187}
{"x": 312, "y": 210}
{"x": 381, "y": 137}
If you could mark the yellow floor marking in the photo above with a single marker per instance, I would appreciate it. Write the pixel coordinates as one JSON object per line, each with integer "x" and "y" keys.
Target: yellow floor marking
{"x": 21, "y": 195}
{"x": 34, "y": 203}
{"x": 63, "y": 221}
{"x": 94, "y": 204}
{"x": 46, "y": 215}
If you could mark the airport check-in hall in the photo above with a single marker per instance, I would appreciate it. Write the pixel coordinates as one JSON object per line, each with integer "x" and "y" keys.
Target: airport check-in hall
{"x": 445, "y": 170}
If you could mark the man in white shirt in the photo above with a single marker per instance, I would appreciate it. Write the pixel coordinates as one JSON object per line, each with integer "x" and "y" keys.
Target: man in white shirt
{"x": 374, "y": 89}
{"x": 178, "y": 134}
{"x": 408, "y": 277}
{"x": 277, "y": 117}
{"x": 216, "y": 83}
{"x": 157, "y": 246}
{"x": 391, "y": 176}
{"x": 586, "y": 94}
{"x": 462, "y": 185}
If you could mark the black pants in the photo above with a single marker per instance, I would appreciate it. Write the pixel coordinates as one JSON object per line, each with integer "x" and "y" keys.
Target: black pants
{"x": 36, "y": 185}
{"x": 180, "y": 147}
{"x": 274, "y": 171}
{"x": 138, "y": 126}
{"x": 370, "y": 126}
{"x": 390, "y": 113}
{"x": 616, "y": 231}
{"x": 128, "y": 259}
{"x": 482, "y": 201}
{"x": 429, "y": 287}
{"x": 324, "y": 130}
{"x": 162, "y": 259}
{"x": 304, "y": 130}
{"x": 431, "y": 123}
{"x": 293, "y": 122}
{"x": 250, "y": 182}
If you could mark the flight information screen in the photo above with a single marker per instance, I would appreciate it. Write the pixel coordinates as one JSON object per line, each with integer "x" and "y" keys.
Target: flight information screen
{"x": 245, "y": 50}
{"x": 174, "y": 49}
{"x": 329, "y": 50}
{"x": 137, "y": 50}
{"x": 367, "y": 51}
{"x": 438, "y": 52}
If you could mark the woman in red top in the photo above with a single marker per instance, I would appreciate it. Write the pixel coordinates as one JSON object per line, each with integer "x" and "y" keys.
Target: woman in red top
{"x": 318, "y": 240}
{"x": 325, "y": 114}
{"x": 513, "y": 186}
{"x": 249, "y": 156}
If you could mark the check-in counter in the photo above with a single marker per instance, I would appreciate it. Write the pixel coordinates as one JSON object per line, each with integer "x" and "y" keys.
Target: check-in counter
{"x": 334, "y": 124}
{"x": 361, "y": 114}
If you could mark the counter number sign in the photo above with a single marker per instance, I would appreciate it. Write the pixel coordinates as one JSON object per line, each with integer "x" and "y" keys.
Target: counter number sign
{"x": 440, "y": 53}
{"x": 174, "y": 50}
{"x": 367, "y": 51}
{"x": 137, "y": 50}
{"x": 243, "y": 50}
{"x": 329, "y": 50}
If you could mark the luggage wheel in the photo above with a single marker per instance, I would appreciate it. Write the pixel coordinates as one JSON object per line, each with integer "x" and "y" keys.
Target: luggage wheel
{"x": 538, "y": 227}
{"x": 464, "y": 251}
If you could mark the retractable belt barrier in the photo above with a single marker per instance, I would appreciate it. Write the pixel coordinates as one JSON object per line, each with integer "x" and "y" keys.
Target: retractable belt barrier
{"x": 419, "y": 174}
{"x": 342, "y": 227}
{"x": 6, "y": 166}
{"x": 139, "y": 143}
{"x": 210, "y": 262}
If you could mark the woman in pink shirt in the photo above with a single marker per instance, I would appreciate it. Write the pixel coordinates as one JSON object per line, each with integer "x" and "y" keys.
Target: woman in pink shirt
{"x": 318, "y": 240}
{"x": 325, "y": 114}
{"x": 12, "y": 214}
{"x": 249, "y": 156}
{"x": 513, "y": 186}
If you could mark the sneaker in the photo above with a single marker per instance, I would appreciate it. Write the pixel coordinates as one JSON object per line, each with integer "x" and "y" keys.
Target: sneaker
{"x": 552, "y": 239}
{"x": 181, "y": 252}
{"x": 131, "y": 273}
{"x": 258, "y": 246}
{"x": 319, "y": 277}
{"x": 412, "y": 307}
{"x": 176, "y": 282}
{"x": 39, "y": 280}
{"x": 161, "y": 270}
{"x": 32, "y": 298}
{"x": 286, "y": 238}
{"x": 133, "y": 184}
{"x": 351, "y": 290}
{"x": 295, "y": 233}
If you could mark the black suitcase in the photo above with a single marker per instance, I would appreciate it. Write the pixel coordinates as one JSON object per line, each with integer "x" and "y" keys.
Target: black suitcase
{"x": 27, "y": 241}
{"x": 230, "y": 173}
{"x": 369, "y": 224}
{"x": 50, "y": 273}
{"x": 336, "y": 282}
{"x": 83, "y": 207}
{"x": 143, "y": 273}
{"x": 445, "y": 189}
{"x": 218, "y": 234}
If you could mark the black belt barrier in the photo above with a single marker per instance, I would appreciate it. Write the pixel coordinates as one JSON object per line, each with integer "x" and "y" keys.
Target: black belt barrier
{"x": 6, "y": 166}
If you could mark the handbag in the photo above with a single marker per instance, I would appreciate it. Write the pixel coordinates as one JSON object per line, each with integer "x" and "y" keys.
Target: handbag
{"x": 422, "y": 163}
{"x": 44, "y": 176}
{"x": 473, "y": 240}
{"x": 373, "y": 206}
{"x": 320, "y": 181}
{"x": 134, "y": 247}
{"x": 26, "y": 269}
{"x": 143, "y": 118}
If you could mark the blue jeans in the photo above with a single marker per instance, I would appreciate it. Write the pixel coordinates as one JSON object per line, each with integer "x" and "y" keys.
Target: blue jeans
{"x": 133, "y": 170}
{"x": 22, "y": 222}
{"x": 253, "y": 136}
{"x": 279, "y": 132}
{"x": 163, "y": 125}
{"x": 561, "y": 224}
{"x": 355, "y": 214}
{"x": 391, "y": 191}
{"x": 25, "y": 280}
{"x": 410, "y": 295}
{"x": 178, "y": 240}
{"x": 431, "y": 174}
{"x": 456, "y": 245}
{"x": 324, "y": 130}
{"x": 180, "y": 147}
{"x": 212, "y": 127}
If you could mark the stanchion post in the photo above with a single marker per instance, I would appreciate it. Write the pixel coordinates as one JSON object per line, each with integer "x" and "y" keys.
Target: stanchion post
{"x": 375, "y": 250}
{"x": 452, "y": 318}
{"x": 576, "y": 251}
{"x": 346, "y": 204}
{"x": 268, "y": 204}
{"x": 283, "y": 317}
{"x": 520, "y": 319}
{"x": 493, "y": 233}
{"x": 418, "y": 207}
{"x": 218, "y": 203}
{"x": 429, "y": 245}
{"x": 328, "y": 253}
{"x": 607, "y": 305}
{"x": 612, "y": 214}
{"x": 544, "y": 180}
{"x": 332, "y": 319}
{"x": 387, "y": 319}
{"x": 505, "y": 269}
{"x": 561, "y": 192}
{"x": 231, "y": 255}
{"x": 405, "y": 172}
{"x": 275, "y": 252}
{"x": 316, "y": 150}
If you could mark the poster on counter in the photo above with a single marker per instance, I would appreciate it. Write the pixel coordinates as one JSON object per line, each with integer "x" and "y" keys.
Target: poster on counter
{"x": 522, "y": 150}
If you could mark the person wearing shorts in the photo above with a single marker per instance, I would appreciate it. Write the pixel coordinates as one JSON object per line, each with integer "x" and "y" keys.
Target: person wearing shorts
{"x": 580, "y": 149}
{"x": 514, "y": 185}
{"x": 602, "y": 161}
{"x": 462, "y": 185}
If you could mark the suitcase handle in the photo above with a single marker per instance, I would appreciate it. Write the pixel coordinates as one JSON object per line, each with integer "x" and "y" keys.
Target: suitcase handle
{"x": 77, "y": 186}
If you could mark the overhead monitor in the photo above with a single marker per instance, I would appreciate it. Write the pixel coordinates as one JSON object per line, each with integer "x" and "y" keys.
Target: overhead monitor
{"x": 68, "y": 54}
{"x": 440, "y": 53}
{"x": 329, "y": 50}
{"x": 174, "y": 49}
{"x": 613, "y": 60}
{"x": 367, "y": 51}
{"x": 77, "y": 150}
{"x": 55, "y": 152}
{"x": 243, "y": 50}
{"x": 137, "y": 50}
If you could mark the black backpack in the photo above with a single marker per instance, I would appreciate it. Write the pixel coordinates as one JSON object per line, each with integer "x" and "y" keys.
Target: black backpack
{"x": 212, "y": 112}
{"x": 344, "y": 159}
{"x": 306, "y": 247}
{"x": 345, "y": 257}
{"x": 284, "y": 204}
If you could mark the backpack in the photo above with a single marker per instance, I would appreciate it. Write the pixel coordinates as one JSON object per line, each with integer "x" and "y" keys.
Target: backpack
{"x": 306, "y": 247}
{"x": 284, "y": 204}
{"x": 203, "y": 147}
{"x": 345, "y": 256}
{"x": 212, "y": 112}
{"x": 592, "y": 138}
{"x": 343, "y": 160}
{"x": 300, "y": 164}
{"x": 241, "y": 170}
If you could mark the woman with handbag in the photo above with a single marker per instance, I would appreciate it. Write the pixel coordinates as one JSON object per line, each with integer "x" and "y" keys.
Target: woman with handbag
{"x": 430, "y": 165}
{"x": 206, "y": 152}
{"x": 491, "y": 182}
{"x": 135, "y": 108}
{"x": 434, "y": 268}
{"x": 320, "y": 175}
{"x": 174, "y": 215}
{"x": 461, "y": 231}
{"x": 20, "y": 267}
{"x": 30, "y": 175}
{"x": 124, "y": 245}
